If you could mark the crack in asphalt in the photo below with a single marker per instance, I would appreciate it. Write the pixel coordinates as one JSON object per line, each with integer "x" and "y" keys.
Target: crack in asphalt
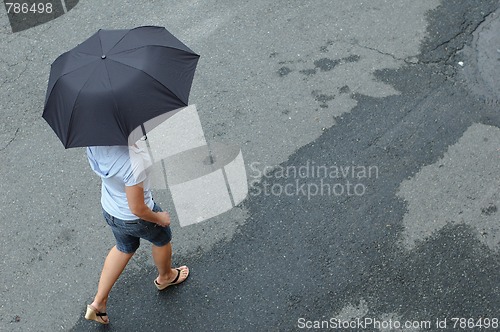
{"x": 405, "y": 60}
{"x": 11, "y": 140}
{"x": 467, "y": 26}
{"x": 459, "y": 33}
{"x": 23, "y": 61}
{"x": 463, "y": 32}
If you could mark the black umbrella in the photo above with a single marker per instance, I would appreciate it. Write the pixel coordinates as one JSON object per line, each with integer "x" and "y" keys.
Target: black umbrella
{"x": 115, "y": 81}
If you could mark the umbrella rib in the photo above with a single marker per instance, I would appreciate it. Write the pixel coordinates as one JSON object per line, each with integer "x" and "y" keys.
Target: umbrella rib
{"x": 80, "y": 52}
{"x": 115, "y": 43}
{"x": 100, "y": 42}
{"x": 109, "y": 51}
{"x": 69, "y": 72}
{"x": 78, "y": 96}
{"x": 112, "y": 90}
{"x": 149, "y": 45}
{"x": 142, "y": 71}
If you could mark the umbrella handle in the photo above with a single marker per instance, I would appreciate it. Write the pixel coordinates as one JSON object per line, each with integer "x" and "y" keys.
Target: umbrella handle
{"x": 145, "y": 137}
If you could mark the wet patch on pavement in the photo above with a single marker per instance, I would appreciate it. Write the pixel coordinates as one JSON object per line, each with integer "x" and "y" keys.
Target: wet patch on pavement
{"x": 326, "y": 64}
{"x": 322, "y": 98}
{"x": 283, "y": 71}
{"x": 463, "y": 187}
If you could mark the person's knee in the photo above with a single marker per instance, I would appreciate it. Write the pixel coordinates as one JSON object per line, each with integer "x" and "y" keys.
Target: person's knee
{"x": 162, "y": 246}
{"x": 129, "y": 250}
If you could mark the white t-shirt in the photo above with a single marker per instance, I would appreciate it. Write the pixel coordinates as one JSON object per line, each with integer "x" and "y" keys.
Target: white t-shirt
{"x": 120, "y": 166}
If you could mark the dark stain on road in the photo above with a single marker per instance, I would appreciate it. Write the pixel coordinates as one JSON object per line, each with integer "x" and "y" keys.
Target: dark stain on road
{"x": 308, "y": 72}
{"x": 489, "y": 210}
{"x": 283, "y": 71}
{"x": 326, "y": 64}
{"x": 344, "y": 89}
{"x": 322, "y": 98}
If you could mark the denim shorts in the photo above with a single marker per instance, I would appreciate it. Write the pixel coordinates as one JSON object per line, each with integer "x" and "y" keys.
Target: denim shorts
{"x": 128, "y": 233}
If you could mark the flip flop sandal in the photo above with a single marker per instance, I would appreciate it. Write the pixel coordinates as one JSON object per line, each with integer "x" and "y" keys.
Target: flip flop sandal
{"x": 174, "y": 282}
{"x": 94, "y": 314}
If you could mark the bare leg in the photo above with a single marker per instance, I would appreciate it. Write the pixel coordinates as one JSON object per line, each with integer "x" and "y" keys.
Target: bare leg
{"x": 113, "y": 266}
{"x": 162, "y": 257}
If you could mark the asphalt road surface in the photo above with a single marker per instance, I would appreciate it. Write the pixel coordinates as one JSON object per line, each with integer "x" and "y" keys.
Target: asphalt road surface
{"x": 397, "y": 100}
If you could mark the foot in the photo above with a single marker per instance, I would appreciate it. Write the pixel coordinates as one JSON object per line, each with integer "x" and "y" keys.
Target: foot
{"x": 97, "y": 313}
{"x": 178, "y": 275}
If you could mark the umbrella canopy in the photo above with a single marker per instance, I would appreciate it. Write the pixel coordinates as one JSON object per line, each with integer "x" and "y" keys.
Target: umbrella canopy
{"x": 113, "y": 82}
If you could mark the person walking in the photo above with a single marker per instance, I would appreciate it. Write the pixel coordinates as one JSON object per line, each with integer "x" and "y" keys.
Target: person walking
{"x": 130, "y": 211}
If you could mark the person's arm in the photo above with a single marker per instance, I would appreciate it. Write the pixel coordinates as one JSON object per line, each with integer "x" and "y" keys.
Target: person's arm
{"x": 135, "y": 198}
